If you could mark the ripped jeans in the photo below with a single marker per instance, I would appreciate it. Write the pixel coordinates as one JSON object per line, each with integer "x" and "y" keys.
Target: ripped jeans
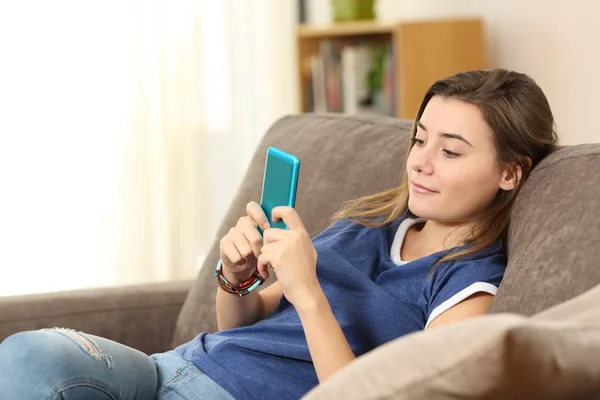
{"x": 62, "y": 364}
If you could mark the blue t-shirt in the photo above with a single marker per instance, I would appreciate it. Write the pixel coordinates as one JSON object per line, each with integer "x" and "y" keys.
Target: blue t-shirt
{"x": 373, "y": 299}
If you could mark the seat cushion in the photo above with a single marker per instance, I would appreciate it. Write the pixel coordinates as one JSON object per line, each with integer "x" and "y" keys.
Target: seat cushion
{"x": 554, "y": 233}
{"x": 342, "y": 157}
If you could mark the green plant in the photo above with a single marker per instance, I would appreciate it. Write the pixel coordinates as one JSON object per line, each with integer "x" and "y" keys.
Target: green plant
{"x": 375, "y": 76}
{"x": 351, "y": 10}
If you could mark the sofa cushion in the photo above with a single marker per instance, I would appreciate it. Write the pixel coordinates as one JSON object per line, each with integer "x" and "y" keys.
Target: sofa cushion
{"x": 499, "y": 356}
{"x": 553, "y": 251}
{"x": 342, "y": 157}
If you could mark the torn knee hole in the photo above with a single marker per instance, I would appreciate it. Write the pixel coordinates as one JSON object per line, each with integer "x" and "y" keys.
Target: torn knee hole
{"x": 85, "y": 343}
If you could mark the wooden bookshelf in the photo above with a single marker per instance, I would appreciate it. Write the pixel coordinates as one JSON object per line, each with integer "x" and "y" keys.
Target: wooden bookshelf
{"x": 423, "y": 53}
{"x": 345, "y": 29}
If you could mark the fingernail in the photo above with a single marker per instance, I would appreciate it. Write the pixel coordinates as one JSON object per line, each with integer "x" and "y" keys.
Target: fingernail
{"x": 266, "y": 225}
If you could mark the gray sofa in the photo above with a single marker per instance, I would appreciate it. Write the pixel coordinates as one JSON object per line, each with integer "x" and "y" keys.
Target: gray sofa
{"x": 554, "y": 249}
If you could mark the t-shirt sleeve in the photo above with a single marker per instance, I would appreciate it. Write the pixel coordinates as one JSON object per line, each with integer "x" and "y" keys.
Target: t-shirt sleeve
{"x": 452, "y": 284}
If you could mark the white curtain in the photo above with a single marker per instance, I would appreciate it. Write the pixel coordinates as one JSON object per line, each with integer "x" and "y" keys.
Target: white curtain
{"x": 125, "y": 128}
{"x": 158, "y": 228}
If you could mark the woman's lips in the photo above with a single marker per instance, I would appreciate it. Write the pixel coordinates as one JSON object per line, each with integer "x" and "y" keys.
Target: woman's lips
{"x": 421, "y": 189}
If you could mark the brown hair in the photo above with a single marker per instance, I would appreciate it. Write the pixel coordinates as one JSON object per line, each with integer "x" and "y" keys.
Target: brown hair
{"x": 517, "y": 112}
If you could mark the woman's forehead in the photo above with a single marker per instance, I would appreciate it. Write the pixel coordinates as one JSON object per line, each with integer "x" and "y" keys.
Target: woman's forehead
{"x": 448, "y": 115}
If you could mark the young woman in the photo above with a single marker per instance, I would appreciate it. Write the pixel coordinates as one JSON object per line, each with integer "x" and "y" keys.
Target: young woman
{"x": 427, "y": 253}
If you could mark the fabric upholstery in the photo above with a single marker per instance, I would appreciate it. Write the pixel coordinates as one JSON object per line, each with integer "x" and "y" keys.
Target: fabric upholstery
{"x": 140, "y": 316}
{"x": 553, "y": 251}
{"x": 341, "y": 158}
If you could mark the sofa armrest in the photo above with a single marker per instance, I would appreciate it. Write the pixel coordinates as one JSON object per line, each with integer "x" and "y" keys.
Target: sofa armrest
{"x": 139, "y": 316}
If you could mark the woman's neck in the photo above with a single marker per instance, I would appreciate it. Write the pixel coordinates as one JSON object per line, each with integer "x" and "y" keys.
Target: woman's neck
{"x": 431, "y": 237}
{"x": 444, "y": 235}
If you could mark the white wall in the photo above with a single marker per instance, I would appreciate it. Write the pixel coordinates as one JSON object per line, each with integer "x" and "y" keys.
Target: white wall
{"x": 554, "y": 41}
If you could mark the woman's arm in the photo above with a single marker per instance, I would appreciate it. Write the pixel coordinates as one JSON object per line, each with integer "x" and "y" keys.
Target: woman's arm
{"x": 329, "y": 348}
{"x": 239, "y": 250}
{"x": 294, "y": 259}
{"x": 234, "y": 311}
{"x": 327, "y": 344}
{"x": 475, "y": 305}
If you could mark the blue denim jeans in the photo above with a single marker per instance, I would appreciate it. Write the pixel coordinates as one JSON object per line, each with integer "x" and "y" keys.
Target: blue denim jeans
{"x": 62, "y": 364}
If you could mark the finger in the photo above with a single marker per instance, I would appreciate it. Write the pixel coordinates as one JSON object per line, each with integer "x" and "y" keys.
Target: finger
{"x": 263, "y": 261}
{"x": 257, "y": 214}
{"x": 264, "y": 271}
{"x": 242, "y": 245}
{"x": 230, "y": 254}
{"x": 273, "y": 235}
{"x": 289, "y": 216}
{"x": 252, "y": 236}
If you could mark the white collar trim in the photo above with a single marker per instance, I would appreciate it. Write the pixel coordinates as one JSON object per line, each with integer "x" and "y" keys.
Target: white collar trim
{"x": 399, "y": 238}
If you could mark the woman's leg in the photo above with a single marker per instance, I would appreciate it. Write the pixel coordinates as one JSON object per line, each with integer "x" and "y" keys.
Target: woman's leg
{"x": 61, "y": 364}
{"x": 180, "y": 379}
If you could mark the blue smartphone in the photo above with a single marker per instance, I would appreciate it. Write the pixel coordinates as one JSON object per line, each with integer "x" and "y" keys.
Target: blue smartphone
{"x": 280, "y": 183}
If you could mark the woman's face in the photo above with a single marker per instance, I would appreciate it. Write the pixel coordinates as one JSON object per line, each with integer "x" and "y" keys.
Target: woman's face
{"x": 452, "y": 169}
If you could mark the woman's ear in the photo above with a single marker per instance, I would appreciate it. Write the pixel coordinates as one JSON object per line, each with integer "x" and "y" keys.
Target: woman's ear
{"x": 512, "y": 174}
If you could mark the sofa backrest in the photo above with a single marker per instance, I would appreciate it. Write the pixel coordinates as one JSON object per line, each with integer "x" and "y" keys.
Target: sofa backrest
{"x": 553, "y": 237}
{"x": 341, "y": 158}
{"x": 554, "y": 233}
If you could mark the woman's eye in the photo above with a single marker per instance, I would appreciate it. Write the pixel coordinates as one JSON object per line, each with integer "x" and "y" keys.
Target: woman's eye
{"x": 418, "y": 142}
{"x": 450, "y": 154}
{"x": 447, "y": 153}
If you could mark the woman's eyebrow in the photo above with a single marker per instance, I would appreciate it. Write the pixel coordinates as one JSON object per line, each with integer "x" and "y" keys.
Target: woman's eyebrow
{"x": 455, "y": 136}
{"x": 446, "y": 135}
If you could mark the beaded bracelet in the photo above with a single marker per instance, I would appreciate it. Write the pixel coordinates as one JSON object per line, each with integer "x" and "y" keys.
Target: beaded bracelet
{"x": 242, "y": 288}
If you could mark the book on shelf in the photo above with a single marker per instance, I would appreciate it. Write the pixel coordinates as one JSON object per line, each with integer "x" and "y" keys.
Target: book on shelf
{"x": 352, "y": 79}
{"x": 317, "y": 80}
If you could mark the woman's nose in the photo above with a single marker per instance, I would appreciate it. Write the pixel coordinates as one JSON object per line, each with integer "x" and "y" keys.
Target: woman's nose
{"x": 422, "y": 162}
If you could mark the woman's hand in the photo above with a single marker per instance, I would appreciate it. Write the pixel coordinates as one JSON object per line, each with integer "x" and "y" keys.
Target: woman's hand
{"x": 292, "y": 256}
{"x": 241, "y": 247}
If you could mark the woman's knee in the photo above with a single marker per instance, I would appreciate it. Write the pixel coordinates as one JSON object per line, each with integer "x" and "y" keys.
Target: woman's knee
{"x": 38, "y": 351}
{"x": 56, "y": 358}
{"x": 34, "y": 364}
{"x": 51, "y": 348}
{"x": 20, "y": 346}
{"x": 26, "y": 365}
{"x": 50, "y": 352}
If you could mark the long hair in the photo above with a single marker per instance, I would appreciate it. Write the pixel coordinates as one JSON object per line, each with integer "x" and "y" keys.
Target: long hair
{"x": 517, "y": 112}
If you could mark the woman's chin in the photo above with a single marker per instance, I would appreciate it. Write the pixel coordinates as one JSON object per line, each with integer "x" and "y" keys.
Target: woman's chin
{"x": 420, "y": 211}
